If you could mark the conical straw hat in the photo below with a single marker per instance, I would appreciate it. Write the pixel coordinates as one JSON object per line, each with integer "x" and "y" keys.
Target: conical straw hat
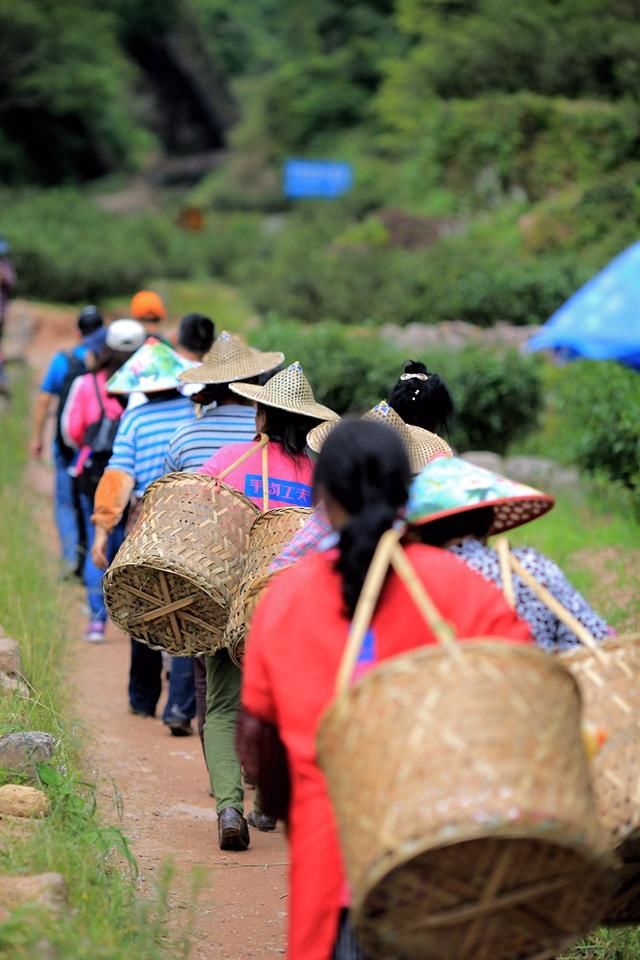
{"x": 421, "y": 445}
{"x": 230, "y": 359}
{"x": 448, "y": 487}
{"x": 288, "y": 390}
{"x": 153, "y": 367}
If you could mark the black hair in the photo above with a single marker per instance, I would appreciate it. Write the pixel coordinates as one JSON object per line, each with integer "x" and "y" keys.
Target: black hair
{"x": 423, "y": 403}
{"x": 288, "y": 429}
{"x": 89, "y": 320}
{"x": 110, "y": 360}
{"x": 196, "y": 333}
{"x": 364, "y": 467}
{"x": 468, "y": 523}
{"x": 220, "y": 393}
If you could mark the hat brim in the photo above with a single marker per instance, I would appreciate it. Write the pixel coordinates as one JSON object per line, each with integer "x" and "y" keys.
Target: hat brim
{"x": 229, "y": 373}
{"x": 509, "y": 512}
{"x": 422, "y": 446}
{"x": 157, "y": 387}
{"x": 252, "y": 391}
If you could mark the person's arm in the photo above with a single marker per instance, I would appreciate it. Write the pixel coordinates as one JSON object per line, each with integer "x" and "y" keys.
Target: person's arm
{"x": 308, "y": 538}
{"x": 111, "y": 499}
{"x": 551, "y": 576}
{"x": 171, "y": 464}
{"x": 43, "y": 407}
{"x": 73, "y": 419}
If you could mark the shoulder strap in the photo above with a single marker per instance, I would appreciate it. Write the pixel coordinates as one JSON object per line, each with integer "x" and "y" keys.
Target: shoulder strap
{"x": 261, "y": 444}
{"x": 96, "y": 387}
{"x": 504, "y": 555}
{"x": 544, "y": 595}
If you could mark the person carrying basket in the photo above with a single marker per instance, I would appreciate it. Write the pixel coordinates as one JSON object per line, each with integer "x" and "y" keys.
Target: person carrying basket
{"x": 274, "y": 471}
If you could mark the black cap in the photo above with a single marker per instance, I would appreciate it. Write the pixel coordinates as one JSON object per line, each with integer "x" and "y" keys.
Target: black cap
{"x": 89, "y": 319}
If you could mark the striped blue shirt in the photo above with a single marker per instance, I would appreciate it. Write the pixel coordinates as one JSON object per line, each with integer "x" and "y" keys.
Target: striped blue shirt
{"x": 143, "y": 434}
{"x": 193, "y": 443}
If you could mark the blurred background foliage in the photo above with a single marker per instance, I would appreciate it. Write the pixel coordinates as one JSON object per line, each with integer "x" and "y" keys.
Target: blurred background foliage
{"x": 495, "y": 147}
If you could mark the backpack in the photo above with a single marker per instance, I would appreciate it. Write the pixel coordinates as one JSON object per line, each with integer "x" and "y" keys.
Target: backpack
{"x": 76, "y": 368}
{"x": 100, "y": 437}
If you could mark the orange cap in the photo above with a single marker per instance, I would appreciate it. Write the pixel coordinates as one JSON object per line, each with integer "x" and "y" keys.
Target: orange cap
{"x": 147, "y": 305}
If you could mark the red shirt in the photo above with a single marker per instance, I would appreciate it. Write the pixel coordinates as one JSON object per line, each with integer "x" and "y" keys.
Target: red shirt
{"x": 293, "y": 652}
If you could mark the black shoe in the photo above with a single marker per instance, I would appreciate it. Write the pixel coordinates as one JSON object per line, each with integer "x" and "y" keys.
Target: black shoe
{"x": 233, "y": 832}
{"x": 139, "y": 713}
{"x": 261, "y": 822}
{"x": 180, "y": 728}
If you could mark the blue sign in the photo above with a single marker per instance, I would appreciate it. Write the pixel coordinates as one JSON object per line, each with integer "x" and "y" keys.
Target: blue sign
{"x": 316, "y": 178}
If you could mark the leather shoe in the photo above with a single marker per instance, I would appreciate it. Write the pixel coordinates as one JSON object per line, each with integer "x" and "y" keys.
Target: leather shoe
{"x": 233, "y": 832}
{"x": 261, "y": 822}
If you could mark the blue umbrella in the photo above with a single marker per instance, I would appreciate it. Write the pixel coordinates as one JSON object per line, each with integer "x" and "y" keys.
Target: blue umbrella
{"x": 601, "y": 320}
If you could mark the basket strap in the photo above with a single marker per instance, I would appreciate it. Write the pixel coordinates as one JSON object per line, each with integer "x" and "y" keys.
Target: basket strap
{"x": 265, "y": 478}
{"x": 560, "y": 611}
{"x": 443, "y": 630}
{"x": 364, "y": 610}
{"x": 504, "y": 553}
{"x": 389, "y": 552}
{"x": 258, "y": 445}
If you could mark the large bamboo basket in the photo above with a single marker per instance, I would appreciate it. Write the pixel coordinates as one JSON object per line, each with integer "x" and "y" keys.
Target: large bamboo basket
{"x": 608, "y": 675}
{"x": 478, "y": 838}
{"x": 173, "y": 579}
{"x": 269, "y": 535}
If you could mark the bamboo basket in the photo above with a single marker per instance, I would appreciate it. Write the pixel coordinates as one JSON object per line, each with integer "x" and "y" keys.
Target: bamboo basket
{"x": 270, "y": 533}
{"x": 482, "y": 842}
{"x": 172, "y": 581}
{"x": 608, "y": 675}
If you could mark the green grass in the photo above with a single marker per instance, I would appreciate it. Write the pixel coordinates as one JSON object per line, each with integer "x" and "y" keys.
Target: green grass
{"x": 106, "y": 918}
{"x": 224, "y": 304}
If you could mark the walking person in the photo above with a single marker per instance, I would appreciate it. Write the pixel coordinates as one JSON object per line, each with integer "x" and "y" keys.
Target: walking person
{"x": 286, "y": 411}
{"x": 89, "y": 423}
{"x": 420, "y": 400}
{"x": 294, "y": 649}
{"x": 458, "y": 506}
{"x": 222, "y": 418}
{"x": 63, "y": 369}
{"x": 137, "y": 460}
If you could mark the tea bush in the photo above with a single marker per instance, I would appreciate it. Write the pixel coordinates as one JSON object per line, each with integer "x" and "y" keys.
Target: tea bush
{"x": 498, "y": 396}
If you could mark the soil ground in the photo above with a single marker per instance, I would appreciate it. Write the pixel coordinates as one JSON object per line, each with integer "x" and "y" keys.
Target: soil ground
{"x": 158, "y": 782}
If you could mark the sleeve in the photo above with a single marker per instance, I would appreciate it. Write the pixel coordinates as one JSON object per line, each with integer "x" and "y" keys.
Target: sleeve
{"x": 265, "y": 761}
{"x": 55, "y": 375}
{"x": 257, "y": 692}
{"x": 551, "y": 576}
{"x": 73, "y": 421}
{"x": 112, "y": 496}
{"x": 123, "y": 456}
{"x": 171, "y": 462}
{"x": 307, "y": 538}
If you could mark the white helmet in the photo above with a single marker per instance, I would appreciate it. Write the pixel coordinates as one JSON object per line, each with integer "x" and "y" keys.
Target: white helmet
{"x": 125, "y": 335}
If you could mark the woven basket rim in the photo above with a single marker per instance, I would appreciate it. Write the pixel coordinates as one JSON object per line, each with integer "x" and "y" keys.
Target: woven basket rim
{"x": 609, "y": 645}
{"x": 487, "y": 645}
{"x": 603, "y": 857}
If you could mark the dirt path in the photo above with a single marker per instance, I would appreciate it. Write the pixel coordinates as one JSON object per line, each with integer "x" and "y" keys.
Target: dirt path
{"x": 160, "y": 780}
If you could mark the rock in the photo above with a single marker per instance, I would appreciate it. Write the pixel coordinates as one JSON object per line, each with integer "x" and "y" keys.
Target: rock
{"x": 20, "y": 752}
{"x": 485, "y": 459}
{"x": 10, "y": 661}
{"x": 45, "y": 889}
{"x": 541, "y": 472}
{"x": 13, "y": 685}
{"x": 19, "y": 801}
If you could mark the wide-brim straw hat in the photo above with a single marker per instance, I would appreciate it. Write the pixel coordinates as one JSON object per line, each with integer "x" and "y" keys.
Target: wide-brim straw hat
{"x": 447, "y": 487}
{"x": 230, "y": 359}
{"x": 421, "y": 445}
{"x": 288, "y": 390}
{"x": 152, "y": 368}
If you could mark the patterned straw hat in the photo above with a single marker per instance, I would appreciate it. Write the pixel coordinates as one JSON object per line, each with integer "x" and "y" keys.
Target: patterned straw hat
{"x": 421, "y": 445}
{"x": 451, "y": 486}
{"x": 230, "y": 359}
{"x": 154, "y": 367}
{"x": 288, "y": 390}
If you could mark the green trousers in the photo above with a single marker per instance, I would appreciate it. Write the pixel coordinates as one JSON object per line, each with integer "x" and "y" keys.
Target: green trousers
{"x": 223, "y": 702}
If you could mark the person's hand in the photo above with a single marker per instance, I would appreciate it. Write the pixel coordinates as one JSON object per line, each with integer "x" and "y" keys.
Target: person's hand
{"x": 36, "y": 448}
{"x": 99, "y": 549}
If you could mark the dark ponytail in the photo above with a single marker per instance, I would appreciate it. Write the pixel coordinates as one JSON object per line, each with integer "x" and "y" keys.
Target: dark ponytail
{"x": 364, "y": 468}
{"x": 422, "y": 403}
